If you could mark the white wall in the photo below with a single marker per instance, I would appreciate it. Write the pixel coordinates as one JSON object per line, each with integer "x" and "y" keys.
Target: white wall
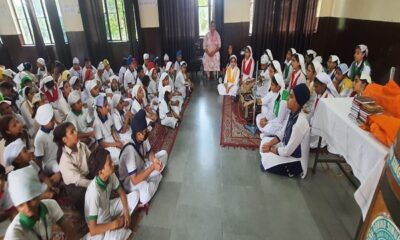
{"x": 148, "y": 13}
{"x": 7, "y": 24}
{"x": 236, "y": 11}
{"x": 71, "y": 15}
{"x": 375, "y": 10}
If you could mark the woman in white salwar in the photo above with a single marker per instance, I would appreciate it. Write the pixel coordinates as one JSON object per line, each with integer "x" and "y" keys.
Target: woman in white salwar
{"x": 230, "y": 86}
{"x": 274, "y": 110}
{"x": 139, "y": 102}
{"x": 287, "y": 153}
{"x": 324, "y": 88}
{"x": 140, "y": 168}
{"x": 168, "y": 115}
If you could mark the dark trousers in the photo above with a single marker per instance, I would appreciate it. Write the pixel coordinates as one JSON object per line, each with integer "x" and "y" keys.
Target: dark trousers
{"x": 292, "y": 169}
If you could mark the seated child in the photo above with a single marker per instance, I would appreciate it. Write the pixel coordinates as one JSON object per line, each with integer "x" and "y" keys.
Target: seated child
{"x": 360, "y": 63}
{"x": 182, "y": 83}
{"x": 360, "y": 83}
{"x": 297, "y": 75}
{"x": 332, "y": 64}
{"x": 140, "y": 102}
{"x": 45, "y": 148}
{"x": 140, "y": 168}
{"x": 168, "y": 116}
{"x": 230, "y": 86}
{"x": 122, "y": 119}
{"x": 343, "y": 84}
{"x": 72, "y": 156}
{"x": 106, "y": 135}
{"x": 12, "y": 129}
{"x": 79, "y": 116}
{"x": 36, "y": 217}
{"x": 287, "y": 68}
{"x": 151, "y": 97}
{"x": 247, "y": 64}
{"x": 287, "y": 153}
{"x": 107, "y": 218}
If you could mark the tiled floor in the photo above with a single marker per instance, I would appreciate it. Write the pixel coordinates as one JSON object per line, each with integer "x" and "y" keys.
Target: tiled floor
{"x": 209, "y": 192}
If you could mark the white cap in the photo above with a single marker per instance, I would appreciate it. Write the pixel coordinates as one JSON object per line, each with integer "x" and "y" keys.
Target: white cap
{"x": 166, "y": 57}
{"x": 311, "y": 52}
{"x": 365, "y": 76}
{"x": 12, "y": 151}
{"x": 74, "y": 97}
{"x": 44, "y": 114}
{"x": 114, "y": 77}
{"x": 41, "y": 61}
{"x": 293, "y": 50}
{"x": 20, "y": 67}
{"x": 301, "y": 61}
{"x": 318, "y": 67}
{"x": 100, "y": 66}
{"x": 264, "y": 59}
{"x": 24, "y": 185}
{"x": 9, "y": 73}
{"x": 167, "y": 88}
{"x": 90, "y": 85}
{"x": 363, "y": 49}
{"x": 73, "y": 80}
{"x": 146, "y": 56}
{"x": 116, "y": 99}
{"x": 233, "y": 56}
{"x": 75, "y": 60}
{"x": 45, "y": 80}
{"x": 335, "y": 59}
{"x": 108, "y": 91}
{"x": 168, "y": 66}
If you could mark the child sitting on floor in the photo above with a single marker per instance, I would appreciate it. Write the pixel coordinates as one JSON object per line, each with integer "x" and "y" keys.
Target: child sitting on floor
{"x": 107, "y": 218}
{"x": 230, "y": 86}
{"x": 168, "y": 116}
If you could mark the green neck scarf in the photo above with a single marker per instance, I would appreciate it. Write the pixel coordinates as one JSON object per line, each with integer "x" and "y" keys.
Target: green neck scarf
{"x": 28, "y": 222}
{"x": 284, "y": 96}
{"x": 101, "y": 183}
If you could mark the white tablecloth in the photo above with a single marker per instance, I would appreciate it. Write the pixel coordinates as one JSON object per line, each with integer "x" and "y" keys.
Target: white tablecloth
{"x": 361, "y": 150}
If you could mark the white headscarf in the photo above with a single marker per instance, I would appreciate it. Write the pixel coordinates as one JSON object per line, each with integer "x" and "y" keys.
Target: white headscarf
{"x": 12, "y": 151}
{"x": 135, "y": 90}
{"x": 74, "y": 97}
{"x": 277, "y": 66}
{"x": 325, "y": 79}
{"x": 116, "y": 99}
{"x": 317, "y": 66}
{"x": 302, "y": 64}
{"x": 269, "y": 54}
{"x": 163, "y": 76}
{"x": 279, "y": 79}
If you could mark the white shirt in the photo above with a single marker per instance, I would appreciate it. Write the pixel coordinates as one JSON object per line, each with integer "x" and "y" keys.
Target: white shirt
{"x": 97, "y": 200}
{"x": 54, "y": 215}
{"x": 262, "y": 90}
{"x": 236, "y": 73}
{"x": 136, "y": 106}
{"x": 76, "y": 73}
{"x": 45, "y": 147}
{"x": 73, "y": 165}
{"x": 163, "y": 109}
{"x": 121, "y": 74}
{"x": 130, "y": 160}
{"x": 129, "y": 78}
{"x": 107, "y": 74}
{"x": 119, "y": 122}
{"x": 177, "y": 66}
{"x": 152, "y": 89}
{"x": 104, "y": 130}
{"x": 180, "y": 84}
{"x": 80, "y": 121}
{"x": 268, "y": 102}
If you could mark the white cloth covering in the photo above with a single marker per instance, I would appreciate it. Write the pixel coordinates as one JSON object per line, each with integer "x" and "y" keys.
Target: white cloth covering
{"x": 234, "y": 90}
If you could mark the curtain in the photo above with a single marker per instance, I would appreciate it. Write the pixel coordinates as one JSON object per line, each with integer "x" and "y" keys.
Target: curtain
{"x": 282, "y": 24}
{"x": 219, "y": 23}
{"x": 179, "y": 27}
{"x": 95, "y": 30}
{"x": 63, "y": 51}
{"x": 133, "y": 25}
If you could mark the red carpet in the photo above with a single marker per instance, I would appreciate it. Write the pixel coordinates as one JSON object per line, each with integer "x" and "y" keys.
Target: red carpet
{"x": 233, "y": 132}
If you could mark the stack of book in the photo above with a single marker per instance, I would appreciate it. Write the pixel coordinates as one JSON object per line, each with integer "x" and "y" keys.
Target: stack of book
{"x": 362, "y": 108}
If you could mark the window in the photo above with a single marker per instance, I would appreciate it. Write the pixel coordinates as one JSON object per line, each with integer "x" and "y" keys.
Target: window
{"x": 61, "y": 21}
{"x": 43, "y": 21}
{"x": 206, "y": 13}
{"x": 114, "y": 15}
{"x": 24, "y": 21}
{"x": 251, "y": 17}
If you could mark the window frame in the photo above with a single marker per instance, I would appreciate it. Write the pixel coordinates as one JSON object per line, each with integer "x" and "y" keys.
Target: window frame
{"x": 252, "y": 5}
{"x": 211, "y": 13}
{"x": 27, "y": 19}
{"x": 47, "y": 21}
{"x": 106, "y": 14}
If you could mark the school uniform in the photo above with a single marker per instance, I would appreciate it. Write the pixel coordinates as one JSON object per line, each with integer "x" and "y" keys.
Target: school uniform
{"x": 107, "y": 74}
{"x": 177, "y": 66}
{"x": 287, "y": 71}
{"x": 92, "y": 68}
{"x": 30, "y": 123}
{"x": 23, "y": 227}
{"x": 80, "y": 120}
{"x": 46, "y": 150}
{"x": 102, "y": 209}
{"x": 121, "y": 75}
{"x": 296, "y": 77}
{"x": 119, "y": 121}
{"x": 345, "y": 87}
{"x": 358, "y": 68}
{"x": 164, "y": 109}
{"x": 276, "y": 118}
{"x": 103, "y": 130}
{"x": 332, "y": 74}
{"x": 129, "y": 78}
{"x": 232, "y": 79}
{"x": 132, "y": 161}
{"x": 76, "y": 73}
{"x": 180, "y": 99}
{"x": 180, "y": 84}
{"x": 293, "y": 150}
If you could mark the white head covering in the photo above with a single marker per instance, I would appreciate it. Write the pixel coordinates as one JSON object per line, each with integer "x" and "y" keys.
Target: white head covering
{"x": 9, "y": 73}
{"x": 41, "y": 61}
{"x": 293, "y": 50}
{"x": 264, "y": 59}
{"x": 114, "y": 77}
{"x": 75, "y": 60}
{"x": 90, "y": 85}
{"x": 108, "y": 91}
{"x": 182, "y": 63}
{"x": 44, "y": 114}
{"x": 335, "y": 59}
{"x": 74, "y": 97}
{"x": 302, "y": 64}
{"x": 45, "y": 80}
{"x": 318, "y": 59}
{"x": 363, "y": 49}
{"x": 20, "y": 67}
{"x": 318, "y": 67}
{"x": 12, "y": 151}
{"x": 311, "y": 52}
{"x": 343, "y": 68}
{"x": 277, "y": 66}
{"x": 101, "y": 66}
{"x": 73, "y": 80}
{"x": 116, "y": 99}
{"x": 168, "y": 66}
{"x": 269, "y": 54}
{"x": 146, "y": 56}
{"x": 251, "y": 50}
{"x": 166, "y": 57}
{"x": 233, "y": 56}
{"x": 279, "y": 79}
{"x": 365, "y": 76}
{"x": 135, "y": 90}
{"x": 150, "y": 73}
{"x": 325, "y": 79}
{"x": 24, "y": 185}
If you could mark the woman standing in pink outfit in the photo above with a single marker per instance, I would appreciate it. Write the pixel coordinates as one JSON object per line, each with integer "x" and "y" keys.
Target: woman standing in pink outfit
{"x": 211, "y": 46}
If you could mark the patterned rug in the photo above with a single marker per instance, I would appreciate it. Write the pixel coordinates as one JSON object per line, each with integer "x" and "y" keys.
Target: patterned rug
{"x": 233, "y": 131}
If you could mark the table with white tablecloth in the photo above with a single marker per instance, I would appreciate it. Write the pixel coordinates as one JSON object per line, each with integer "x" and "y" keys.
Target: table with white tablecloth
{"x": 359, "y": 148}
